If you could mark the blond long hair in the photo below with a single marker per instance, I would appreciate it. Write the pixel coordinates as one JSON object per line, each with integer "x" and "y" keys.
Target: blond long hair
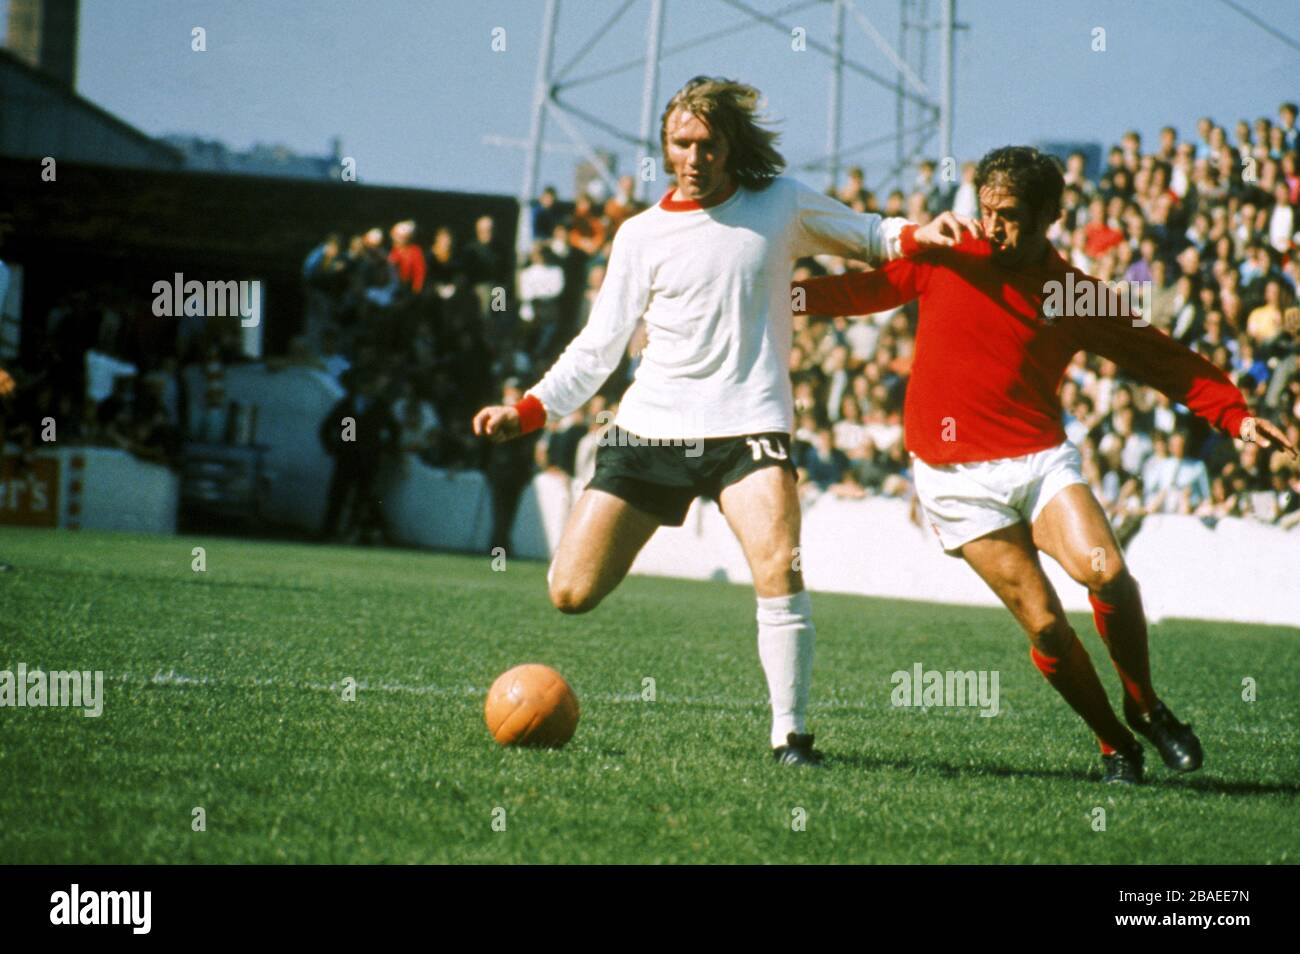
{"x": 731, "y": 109}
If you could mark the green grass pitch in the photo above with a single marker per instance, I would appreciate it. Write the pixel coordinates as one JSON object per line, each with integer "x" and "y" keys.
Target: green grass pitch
{"x": 224, "y": 691}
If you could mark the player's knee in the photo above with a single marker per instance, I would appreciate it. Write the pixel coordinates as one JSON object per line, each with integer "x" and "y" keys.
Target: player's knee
{"x": 1097, "y": 567}
{"x": 1049, "y": 632}
{"x": 571, "y": 599}
{"x": 1112, "y": 580}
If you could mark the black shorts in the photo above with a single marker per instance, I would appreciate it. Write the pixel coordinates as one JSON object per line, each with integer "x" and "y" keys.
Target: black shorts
{"x": 663, "y": 477}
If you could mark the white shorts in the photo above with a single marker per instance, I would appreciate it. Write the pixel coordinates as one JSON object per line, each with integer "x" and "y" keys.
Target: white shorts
{"x": 966, "y": 501}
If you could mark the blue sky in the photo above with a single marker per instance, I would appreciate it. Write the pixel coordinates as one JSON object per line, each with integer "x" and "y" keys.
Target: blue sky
{"x": 413, "y": 86}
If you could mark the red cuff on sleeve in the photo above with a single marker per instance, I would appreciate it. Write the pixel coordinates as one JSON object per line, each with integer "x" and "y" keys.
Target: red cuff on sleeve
{"x": 907, "y": 240}
{"x": 1232, "y": 419}
{"x": 532, "y": 415}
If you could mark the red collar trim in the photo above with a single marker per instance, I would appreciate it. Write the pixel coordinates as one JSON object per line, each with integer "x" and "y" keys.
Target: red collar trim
{"x": 669, "y": 204}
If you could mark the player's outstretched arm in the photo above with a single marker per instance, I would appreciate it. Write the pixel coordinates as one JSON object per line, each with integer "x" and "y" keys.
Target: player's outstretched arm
{"x": 859, "y": 293}
{"x": 593, "y": 355}
{"x": 1125, "y": 337}
{"x": 826, "y": 225}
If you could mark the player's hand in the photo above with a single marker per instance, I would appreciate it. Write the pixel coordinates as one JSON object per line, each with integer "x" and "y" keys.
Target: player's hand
{"x": 947, "y": 230}
{"x": 498, "y": 423}
{"x": 1266, "y": 434}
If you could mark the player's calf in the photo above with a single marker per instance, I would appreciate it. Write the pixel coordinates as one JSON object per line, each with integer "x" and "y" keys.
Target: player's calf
{"x": 1121, "y": 622}
{"x": 1070, "y": 672}
{"x": 786, "y": 643}
{"x": 775, "y": 576}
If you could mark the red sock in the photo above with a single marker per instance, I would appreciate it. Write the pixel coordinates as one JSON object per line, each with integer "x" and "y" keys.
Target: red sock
{"x": 1073, "y": 676}
{"x": 1122, "y": 625}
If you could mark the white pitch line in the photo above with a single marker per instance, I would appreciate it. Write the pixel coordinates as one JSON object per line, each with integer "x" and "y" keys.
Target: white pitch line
{"x": 174, "y": 679}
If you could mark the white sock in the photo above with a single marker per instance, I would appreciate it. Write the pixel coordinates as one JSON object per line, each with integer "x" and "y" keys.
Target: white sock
{"x": 785, "y": 646}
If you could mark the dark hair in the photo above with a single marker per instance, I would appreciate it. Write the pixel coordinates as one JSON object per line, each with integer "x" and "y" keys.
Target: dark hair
{"x": 1033, "y": 176}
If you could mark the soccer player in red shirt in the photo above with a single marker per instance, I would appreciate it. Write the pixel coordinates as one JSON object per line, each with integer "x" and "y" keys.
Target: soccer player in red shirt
{"x": 1000, "y": 319}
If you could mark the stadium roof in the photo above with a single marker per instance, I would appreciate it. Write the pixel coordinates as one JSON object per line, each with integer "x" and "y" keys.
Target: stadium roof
{"x": 42, "y": 117}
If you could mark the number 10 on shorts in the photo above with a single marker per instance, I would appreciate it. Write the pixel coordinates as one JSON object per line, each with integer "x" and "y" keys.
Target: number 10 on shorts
{"x": 762, "y": 446}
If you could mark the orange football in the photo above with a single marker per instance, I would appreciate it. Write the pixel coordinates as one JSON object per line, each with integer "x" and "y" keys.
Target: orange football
{"x": 531, "y": 705}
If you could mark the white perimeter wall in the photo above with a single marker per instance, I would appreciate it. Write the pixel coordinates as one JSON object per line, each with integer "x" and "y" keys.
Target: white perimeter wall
{"x": 1240, "y": 571}
{"x": 104, "y": 488}
{"x": 291, "y": 403}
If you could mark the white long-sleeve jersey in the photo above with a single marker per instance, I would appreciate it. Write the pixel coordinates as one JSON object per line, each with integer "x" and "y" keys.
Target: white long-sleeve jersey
{"x": 713, "y": 286}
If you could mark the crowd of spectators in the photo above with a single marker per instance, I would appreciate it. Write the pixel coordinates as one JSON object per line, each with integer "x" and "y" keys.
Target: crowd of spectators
{"x": 431, "y": 325}
{"x": 1210, "y": 220}
{"x": 427, "y": 324}
{"x": 1211, "y": 224}
{"x": 109, "y": 373}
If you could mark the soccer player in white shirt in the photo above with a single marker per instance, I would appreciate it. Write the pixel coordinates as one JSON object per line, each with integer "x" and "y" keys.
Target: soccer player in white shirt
{"x": 710, "y": 411}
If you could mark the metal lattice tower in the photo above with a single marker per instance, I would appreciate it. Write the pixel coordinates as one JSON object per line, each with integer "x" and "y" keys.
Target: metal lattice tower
{"x": 920, "y": 111}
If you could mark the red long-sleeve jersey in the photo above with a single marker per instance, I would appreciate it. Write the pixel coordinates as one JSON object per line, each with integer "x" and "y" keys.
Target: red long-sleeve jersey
{"x": 988, "y": 359}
